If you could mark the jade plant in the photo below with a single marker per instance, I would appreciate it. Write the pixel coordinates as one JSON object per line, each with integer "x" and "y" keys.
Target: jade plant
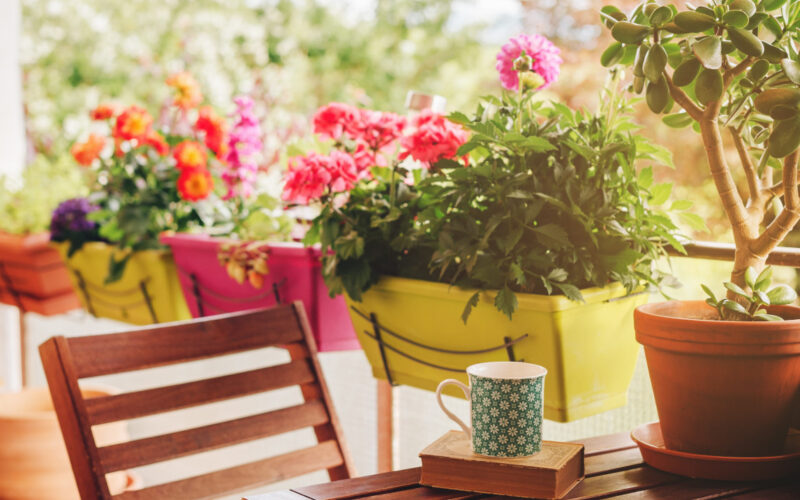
{"x": 752, "y": 305}
{"x": 732, "y": 68}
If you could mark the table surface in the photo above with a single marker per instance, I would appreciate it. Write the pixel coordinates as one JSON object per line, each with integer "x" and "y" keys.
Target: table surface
{"x": 614, "y": 469}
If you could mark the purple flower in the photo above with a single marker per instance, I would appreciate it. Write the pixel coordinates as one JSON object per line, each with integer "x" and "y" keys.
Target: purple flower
{"x": 546, "y": 59}
{"x": 69, "y": 217}
{"x": 244, "y": 144}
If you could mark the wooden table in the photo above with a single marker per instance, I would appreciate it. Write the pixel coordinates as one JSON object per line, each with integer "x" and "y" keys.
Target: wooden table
{"x": 614, "y": 468}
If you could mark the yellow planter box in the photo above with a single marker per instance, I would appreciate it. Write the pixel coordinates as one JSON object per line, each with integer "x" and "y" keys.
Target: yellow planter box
{"x": 589, "y": 349}
{"x": 148, "y": 292}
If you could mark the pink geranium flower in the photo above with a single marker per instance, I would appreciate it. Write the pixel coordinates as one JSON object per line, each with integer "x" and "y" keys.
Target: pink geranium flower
{"x": 434, "y": 138}
{"x": 244, "y": 146}
{"x": 335, "y": 119}
{"x": 310, "y": 177}
{"x": 378, "y": 129}
{"x": 546, "y": 59}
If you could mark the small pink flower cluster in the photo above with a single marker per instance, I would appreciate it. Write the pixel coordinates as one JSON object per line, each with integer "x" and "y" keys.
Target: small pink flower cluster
{"x": 546, "y": 59}
{"x": 435, "y": 138}
{"x": 365, "y": 137}
{"x": 244, "y": 143}
{"x": 309, "y": 176}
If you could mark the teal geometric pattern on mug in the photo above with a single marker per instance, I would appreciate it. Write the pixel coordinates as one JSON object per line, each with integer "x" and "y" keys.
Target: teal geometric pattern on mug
{"x": 506, "y": 416}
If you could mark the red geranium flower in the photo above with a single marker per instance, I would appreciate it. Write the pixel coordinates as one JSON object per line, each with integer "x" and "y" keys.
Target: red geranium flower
{"x": 157, "y": 142}
{"x": 133, "y": 123}
{"x": 310, "y": 176}
{"x": 435, "y": 138}
{"x": 215, "y": 130}
{"x": 190, "y": 155}
{"x": 378, "y": 129}
{"x": 86, "y": 152}
{"x": 104, "y": 111}
{"x": 195, "y": 184}
{"x": 335, "y": 119}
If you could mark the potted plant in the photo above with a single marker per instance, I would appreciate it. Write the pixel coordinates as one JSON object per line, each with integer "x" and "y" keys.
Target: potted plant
{"x": 252, "y": 264}
{"x": 725, "y": 373}
{"x": 147, "y": 180}
{"x": 528, "y": 239}
{"x": 32, "y": 276}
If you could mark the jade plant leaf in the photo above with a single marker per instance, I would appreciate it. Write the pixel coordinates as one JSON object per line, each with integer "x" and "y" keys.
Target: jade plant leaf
{"x": 785, "y": 137}
{"x": 709, "y": 86}
{"x": 791, "y": 69}
{"x": 781, "y": 295}
{"x": 661, "y": 16}
{"x": 709, "y": 52}
{"x": 747, "y": 6}
{"x": 774, "y": 97}
{"x": 612, "y": 54}
{"x": 686, "y": 72}
{"x": 736, "y": 19}
{"x": 629, "y": 33}
{"x": 746, "y": 41}
{"x": 654, "y": 62}
{"x": 657, "y": 95}
{"x": 694, "y": 22}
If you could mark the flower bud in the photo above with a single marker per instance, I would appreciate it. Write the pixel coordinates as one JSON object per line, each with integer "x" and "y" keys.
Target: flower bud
{"x": 523, "y": 62}
{"x": 530, "y": 80}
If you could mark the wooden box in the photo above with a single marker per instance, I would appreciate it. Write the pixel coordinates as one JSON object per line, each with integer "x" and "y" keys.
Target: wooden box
{"x": 450, "y": 463}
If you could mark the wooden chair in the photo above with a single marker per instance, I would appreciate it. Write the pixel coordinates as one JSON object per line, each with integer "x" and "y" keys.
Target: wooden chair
{"x": 66, "y": 360}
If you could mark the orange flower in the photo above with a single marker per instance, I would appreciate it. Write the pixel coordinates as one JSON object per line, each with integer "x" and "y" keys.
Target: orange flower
{"x": 104, "y": 111}
{"x": 86, "y": 152}
{"x": 133, "y": 123}
{"x": 215, "y": 130}
{"x": 157, "y": 142}
{"x": 187, "y": 91}
{"x": 190, "y": 154}
{"x": 195, "y": 184}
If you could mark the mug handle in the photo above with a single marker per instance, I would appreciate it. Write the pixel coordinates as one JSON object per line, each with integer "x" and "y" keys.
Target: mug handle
{"x": 447, "y": 412}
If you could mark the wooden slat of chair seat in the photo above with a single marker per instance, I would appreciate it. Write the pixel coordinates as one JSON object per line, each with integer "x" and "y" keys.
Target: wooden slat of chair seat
{"x": 181, "y": 342}
{"x": 67, "y": 360}
{"x": 210, "y": 437}
{"x": 244, "y": 477}
{"x": 129, "y": 405}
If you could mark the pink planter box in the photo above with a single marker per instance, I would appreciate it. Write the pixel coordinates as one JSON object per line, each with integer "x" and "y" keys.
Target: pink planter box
{"x": 294, "y": 274}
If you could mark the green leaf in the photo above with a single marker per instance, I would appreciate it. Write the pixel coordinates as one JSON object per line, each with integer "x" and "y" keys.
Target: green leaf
{"x": 506, "y": 301}
{"x": 709, "y": 86}
{"x": 645, "y": 179}
{"x": 709, "y": 293}
{"x": 471, "y": 303}
{"x": 770, "y": 98}
{"x": 772, "y": 53}
{"x": 638, "y": 60}
{"x": 612, "y": 55}
{"x": 660, "y": 193}
{"x": 769, "y": 5}
{"x": 116, "y": 268}
{"x": 686, "y": 72}
{"x": 553, "y": 232}
{"x": 785, "y": 137}
{"x": 747, "y": 6}
{"x": 709, "y": 52}
{"x": 694, "y": 22}
{"x": 572, "y": 292}
{"x": 764, "y": 279}
{"x": 678, "y": 120}
{"x": 610, "y": 15}
{"x": 661, "y": 16}
{"x": 694, "y": 221}
{"x": 657, "y": 95}
{"x": 767, "y": 317}
{"x": 762, "y": 297}
{"x": 733, "y": 287}
{"x": 558, "y": 274}
{"x": 781, "y": 295}
{"x": 458, "y": 117}
{"x": 654, "y": 62}
{"x": 750, "y": 277}
{"x": 736, "y": 19}
{"x": 791, "y": 69}
{"x": 733, "y": 306}
{"x": 629, "y": 33}
{"x": 518, "y": 273}
{"x": 746, "y": 42}
{"x": 681, "y": 205}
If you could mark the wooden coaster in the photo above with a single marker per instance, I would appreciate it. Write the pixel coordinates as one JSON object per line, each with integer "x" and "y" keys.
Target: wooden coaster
{"x": 450, "y": 463}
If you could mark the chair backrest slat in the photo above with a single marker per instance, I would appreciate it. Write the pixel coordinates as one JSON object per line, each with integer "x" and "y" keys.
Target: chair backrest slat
{"x": 129, "y": 405}
{"x": 243, "y": 477}
{"x": 67, "y": 360}
{"x": 209, "y": 437}
{"x": 181, "y": 342}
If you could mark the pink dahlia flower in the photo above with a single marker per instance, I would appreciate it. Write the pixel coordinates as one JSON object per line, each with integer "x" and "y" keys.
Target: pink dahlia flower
{"x": 434, "y": 138}
{"x": 546, "y": 59}
{"x": 311, "y": 176}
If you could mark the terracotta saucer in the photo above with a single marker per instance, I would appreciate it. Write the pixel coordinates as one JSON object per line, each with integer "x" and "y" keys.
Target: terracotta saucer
{"x": 655, "y": 454}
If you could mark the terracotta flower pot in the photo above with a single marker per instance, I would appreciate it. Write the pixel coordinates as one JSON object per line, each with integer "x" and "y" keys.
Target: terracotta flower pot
{"x": 32, "y": 275}
{"x": 33, "y": 460}
{"x": 724, "y": 388}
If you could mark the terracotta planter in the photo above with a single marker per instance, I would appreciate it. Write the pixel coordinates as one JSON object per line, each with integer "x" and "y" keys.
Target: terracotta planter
{"x": 724, "y": 388}
{"x": 33, "y": 276}
{"x": 147, "y": 293}
{"x": 294, "y": 274}
{"x": 418, "y": 339}
{"x": 33, "y": 460}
